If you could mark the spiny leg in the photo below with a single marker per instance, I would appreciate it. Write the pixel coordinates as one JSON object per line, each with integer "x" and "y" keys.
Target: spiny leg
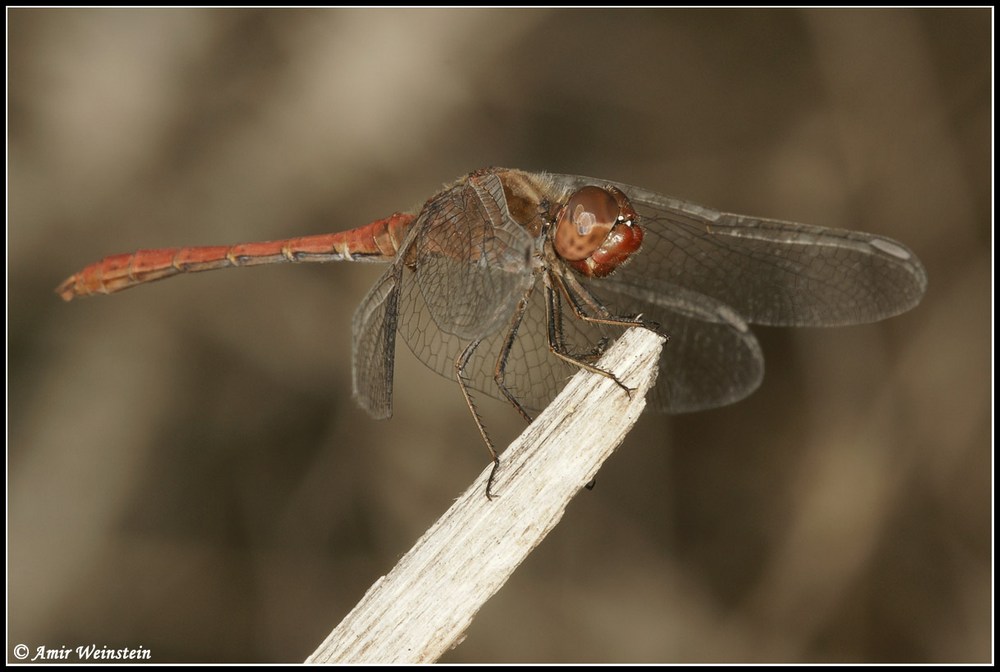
{"x": 460, "y": 363}
{"x": 556, "y": 329}
{"x": 500, "y": 369}
{"x": 577, "y": 294}
{"x": 553, "y": 310}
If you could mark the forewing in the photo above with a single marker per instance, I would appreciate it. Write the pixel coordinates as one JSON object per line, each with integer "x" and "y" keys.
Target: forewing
{"x": 768, "y": 271}
{"x": 468, "y": 263}
{"x": 471, "y": 260}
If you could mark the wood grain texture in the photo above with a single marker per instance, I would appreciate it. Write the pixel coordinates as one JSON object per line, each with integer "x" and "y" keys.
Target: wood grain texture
{"x": 423, "y": 606}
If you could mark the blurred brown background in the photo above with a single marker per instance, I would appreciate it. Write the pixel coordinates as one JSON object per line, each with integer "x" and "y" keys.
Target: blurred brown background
{"x": 188, "y": 472}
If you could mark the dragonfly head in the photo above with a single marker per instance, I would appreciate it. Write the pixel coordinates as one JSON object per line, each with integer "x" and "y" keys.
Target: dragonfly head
{"x": 597, "y": 230}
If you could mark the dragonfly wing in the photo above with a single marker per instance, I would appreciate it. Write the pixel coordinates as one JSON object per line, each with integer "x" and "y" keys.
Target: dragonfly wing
{"x": 373, "y": 347}
{"x": 770, "y": 272}
{"x": 532, "y": 374}
{"x": 712, "y": 358}
{"x": 466, "y": 264}
{"x": 471, "y": 260}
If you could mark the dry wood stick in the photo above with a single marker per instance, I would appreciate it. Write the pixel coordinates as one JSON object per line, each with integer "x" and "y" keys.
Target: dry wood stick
{"x": 422, "y": 608}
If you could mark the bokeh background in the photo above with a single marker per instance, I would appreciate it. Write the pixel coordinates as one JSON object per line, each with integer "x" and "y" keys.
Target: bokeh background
{"x": 188, "y": 473}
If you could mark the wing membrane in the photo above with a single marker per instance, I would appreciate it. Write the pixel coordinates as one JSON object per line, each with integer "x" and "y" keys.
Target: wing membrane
{"x": 472, "y": 260}
{"x": 770, "y": 272}
{"x": 374, "y": 344}
{"x": 712, "y": 358}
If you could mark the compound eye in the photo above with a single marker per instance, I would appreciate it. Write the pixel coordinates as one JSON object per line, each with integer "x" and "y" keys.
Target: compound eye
{"x": 585, "y": 222}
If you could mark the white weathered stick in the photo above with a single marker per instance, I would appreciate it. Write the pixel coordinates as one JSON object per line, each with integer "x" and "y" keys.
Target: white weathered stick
{"x": 424, "y": 605}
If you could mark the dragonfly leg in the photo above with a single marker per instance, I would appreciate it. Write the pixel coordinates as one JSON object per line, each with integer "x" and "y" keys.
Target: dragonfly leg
{"x": 556, "y": 329}
{"x": 460, "y": 364}
{"x": 577, "y": 295}
{"x": 553, "y": 310}
{"x": 500, "y": 370}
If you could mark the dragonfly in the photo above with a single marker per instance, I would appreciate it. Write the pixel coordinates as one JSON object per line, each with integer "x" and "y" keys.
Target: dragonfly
{"x": 509, "y": 281}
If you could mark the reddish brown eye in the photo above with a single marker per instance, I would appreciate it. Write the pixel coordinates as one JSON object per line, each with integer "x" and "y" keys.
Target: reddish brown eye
{"x": 584, "y": 222}
{"x": 597, "y": 231}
